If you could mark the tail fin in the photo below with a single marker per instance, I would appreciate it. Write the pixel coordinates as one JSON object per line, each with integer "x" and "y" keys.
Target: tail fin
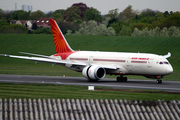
{"x": 59, "y": 40}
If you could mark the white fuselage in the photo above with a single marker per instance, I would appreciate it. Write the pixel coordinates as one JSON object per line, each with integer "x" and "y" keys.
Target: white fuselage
{"x": 127, "y": 63}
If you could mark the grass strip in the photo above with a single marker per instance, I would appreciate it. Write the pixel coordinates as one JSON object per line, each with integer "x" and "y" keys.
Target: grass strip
{"x": 11, "y": 90}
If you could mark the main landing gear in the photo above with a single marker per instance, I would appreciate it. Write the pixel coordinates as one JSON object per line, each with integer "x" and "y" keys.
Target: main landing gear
{"x": 121, "y": 79}
{"x": 159, "y": 81}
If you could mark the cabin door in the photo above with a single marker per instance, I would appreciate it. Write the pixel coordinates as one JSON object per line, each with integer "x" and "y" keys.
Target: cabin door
{"x": 90, "y": 59}
{"x": 129, "y": 64}
{"x": 149, "y": 63}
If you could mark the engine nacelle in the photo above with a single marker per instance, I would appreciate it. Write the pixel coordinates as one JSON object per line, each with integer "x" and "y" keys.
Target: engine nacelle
{"x": 94, "y": 72}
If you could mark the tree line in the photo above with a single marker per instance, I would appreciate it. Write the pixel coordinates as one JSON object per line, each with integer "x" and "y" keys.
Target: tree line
{"x": 79, "y": 19}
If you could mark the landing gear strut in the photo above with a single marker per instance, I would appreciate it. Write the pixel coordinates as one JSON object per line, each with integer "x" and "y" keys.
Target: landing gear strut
{"x": 121, "y": 79}
{"x": 159, "y": 77}
{"x": 159, "y": 81}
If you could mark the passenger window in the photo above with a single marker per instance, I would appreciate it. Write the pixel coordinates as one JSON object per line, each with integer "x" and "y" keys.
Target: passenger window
{"x": 166, "y": 63}
{"x": 160, "y": 62}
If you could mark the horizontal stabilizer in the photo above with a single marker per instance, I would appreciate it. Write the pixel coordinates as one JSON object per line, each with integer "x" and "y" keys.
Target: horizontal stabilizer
{"x": 34, "y": 54}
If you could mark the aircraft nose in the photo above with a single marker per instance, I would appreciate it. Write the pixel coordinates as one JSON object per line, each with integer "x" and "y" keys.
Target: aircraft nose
{"x": 169, "y": 69}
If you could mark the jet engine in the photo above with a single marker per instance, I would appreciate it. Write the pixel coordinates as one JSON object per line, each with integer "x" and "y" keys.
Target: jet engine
{"x": 94, "y": 72}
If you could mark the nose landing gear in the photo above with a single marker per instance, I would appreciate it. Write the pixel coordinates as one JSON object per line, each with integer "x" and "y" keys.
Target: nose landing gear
{"x": 159, "y": 81}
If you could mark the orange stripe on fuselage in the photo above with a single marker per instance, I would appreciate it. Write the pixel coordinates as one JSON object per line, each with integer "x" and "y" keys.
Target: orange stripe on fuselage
{"x": 59, "y": 41}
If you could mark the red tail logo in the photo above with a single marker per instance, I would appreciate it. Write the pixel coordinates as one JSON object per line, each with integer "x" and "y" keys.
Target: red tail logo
{"x": 59, "y": 40}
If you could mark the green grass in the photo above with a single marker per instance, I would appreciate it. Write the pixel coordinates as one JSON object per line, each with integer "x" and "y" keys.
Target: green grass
{"x": 79, "y": 92}
{"x": 43, "y": 44}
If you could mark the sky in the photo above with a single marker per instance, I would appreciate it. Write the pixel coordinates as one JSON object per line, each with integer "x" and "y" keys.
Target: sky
{"x": 101, "y": 5}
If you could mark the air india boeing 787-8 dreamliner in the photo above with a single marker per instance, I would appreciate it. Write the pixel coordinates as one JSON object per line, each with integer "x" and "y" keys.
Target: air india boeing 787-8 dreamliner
{"x": 94, "y": 65}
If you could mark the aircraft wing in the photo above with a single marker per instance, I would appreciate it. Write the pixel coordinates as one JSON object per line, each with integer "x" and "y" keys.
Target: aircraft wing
{"x": 47, "y": 59}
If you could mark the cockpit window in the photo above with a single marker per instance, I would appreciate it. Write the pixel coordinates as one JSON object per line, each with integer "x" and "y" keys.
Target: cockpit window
{"x": 166, "y": 63}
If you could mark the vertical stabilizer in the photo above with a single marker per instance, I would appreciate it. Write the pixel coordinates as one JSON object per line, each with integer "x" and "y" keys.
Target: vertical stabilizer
{"x": 59, "y": 40}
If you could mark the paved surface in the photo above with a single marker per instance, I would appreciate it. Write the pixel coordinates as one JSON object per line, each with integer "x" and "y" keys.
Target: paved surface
{"x": 84, "y": 109}
{"x": 132, "y": 83}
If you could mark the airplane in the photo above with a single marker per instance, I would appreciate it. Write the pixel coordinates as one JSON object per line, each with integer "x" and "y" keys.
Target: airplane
{"x": 94, "y": 65}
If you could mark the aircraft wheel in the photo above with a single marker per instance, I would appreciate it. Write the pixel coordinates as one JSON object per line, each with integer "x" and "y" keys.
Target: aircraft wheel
{"x": 125, "y": 79}
{"x": 118, "y": 79}
{"x": 121, "y": 79}
{"x": 159, "y": 81}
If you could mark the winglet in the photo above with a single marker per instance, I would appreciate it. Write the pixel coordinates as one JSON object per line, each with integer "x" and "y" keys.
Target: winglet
{"x": 168, "y": 55}
{"x": 4, "y": 55}
{"x": 60, "y": 42}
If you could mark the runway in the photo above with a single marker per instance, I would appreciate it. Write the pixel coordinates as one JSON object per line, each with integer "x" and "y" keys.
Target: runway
{"x": 107, "y": 82}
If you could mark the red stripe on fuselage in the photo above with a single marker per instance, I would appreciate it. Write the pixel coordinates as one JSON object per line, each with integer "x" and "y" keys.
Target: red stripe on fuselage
{"x": 83, "y": 59}
{"x": 138, "y": 61}
{"x": 109, "y": 60}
